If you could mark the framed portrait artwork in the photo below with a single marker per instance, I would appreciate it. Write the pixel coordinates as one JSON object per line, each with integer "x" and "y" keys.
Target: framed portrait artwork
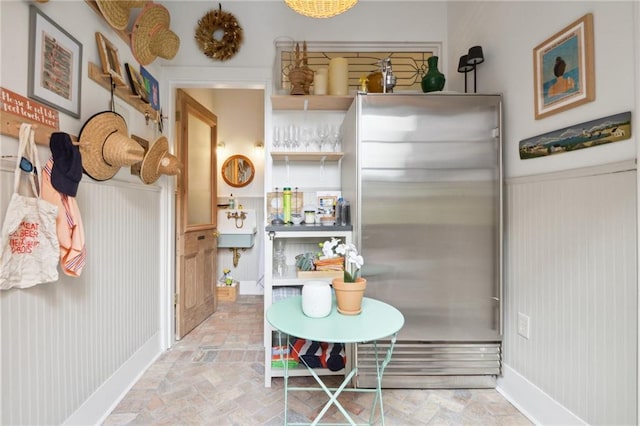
{"x": 110, "y": 60}
{"x": 563, "y": 69}
{"x": 55, "y": 64}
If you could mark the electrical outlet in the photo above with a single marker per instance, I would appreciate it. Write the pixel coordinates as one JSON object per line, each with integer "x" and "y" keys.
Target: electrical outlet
{"x": 524, "y": 325}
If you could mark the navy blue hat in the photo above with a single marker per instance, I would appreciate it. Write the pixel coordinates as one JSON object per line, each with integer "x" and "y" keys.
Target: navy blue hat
{"x": 67, "y": 164}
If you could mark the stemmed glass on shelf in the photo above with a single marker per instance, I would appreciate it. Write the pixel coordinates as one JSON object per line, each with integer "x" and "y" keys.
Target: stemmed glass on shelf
{"x": 277, "y": 138}
{"x": 335, "y": 138}
{"x": 323, "y": 134}
{"x": 294, "y": 137}
{"x": 306, "y": 135}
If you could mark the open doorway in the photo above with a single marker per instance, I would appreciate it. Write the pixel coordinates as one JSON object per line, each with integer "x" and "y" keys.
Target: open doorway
{"x": 239, "y": 108}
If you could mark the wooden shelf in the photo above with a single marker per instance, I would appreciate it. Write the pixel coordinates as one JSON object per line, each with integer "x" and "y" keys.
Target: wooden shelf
{"x": 123, "y": 92}
{"x": 306, "y": 156}
{"x": 311, "y": 103}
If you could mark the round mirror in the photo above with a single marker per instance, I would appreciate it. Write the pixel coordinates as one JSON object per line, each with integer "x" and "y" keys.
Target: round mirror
{"x": 238, "y": 171}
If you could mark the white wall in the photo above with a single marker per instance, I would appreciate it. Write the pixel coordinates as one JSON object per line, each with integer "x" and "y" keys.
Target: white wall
{"x": 562, "y": 271}
{"x": 507, "y": 31}
{"x": 86, "y": 393}
{"x": 264, "y": 21}
{"x": 70, "y": 348}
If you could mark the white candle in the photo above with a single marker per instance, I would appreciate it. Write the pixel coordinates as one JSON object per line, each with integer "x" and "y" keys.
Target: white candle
{"x": 338, "y": 77}
{"x": 320, "y": 82}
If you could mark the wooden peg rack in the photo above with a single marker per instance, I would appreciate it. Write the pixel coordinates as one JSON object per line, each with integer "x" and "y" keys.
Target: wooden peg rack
{"x": 11, "y": 127}
{"x": 123, "y": 92}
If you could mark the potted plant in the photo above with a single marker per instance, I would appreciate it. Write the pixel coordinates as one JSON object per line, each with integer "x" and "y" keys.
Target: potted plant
{"x": 349, "y": 290}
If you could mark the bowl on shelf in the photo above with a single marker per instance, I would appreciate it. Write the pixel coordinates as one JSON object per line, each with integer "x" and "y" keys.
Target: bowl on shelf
{"x": 327, "y": 221}
{"x": 296, "y": 219}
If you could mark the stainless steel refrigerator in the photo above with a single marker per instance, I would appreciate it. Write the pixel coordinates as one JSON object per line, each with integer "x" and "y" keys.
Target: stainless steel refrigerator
{"x": 423, "y": 173}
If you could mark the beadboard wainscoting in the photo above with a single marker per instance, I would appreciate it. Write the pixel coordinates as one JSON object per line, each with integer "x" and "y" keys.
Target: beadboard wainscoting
{"x": 64, "y": 343}
{"x": 250, "y": 269}
{"x": 571, "y": 269}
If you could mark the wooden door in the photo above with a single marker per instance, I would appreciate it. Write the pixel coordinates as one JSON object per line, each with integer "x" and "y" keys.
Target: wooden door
{"x": 196, "y": 213}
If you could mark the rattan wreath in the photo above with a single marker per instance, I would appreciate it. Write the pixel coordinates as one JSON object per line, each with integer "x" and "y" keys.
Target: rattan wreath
{"x": 229, "y": 44}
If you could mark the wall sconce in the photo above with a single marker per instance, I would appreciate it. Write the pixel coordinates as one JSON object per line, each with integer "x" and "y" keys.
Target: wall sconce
{"x": 468, "y": 63}
{"x": 221, "y": 146}
{"x": 259, "y": 146}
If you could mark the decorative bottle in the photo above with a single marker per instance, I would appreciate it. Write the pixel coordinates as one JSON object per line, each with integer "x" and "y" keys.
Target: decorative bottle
{"x": 433, "y": 80}
{"x": 286, "y": 205}
{"x": 279, "y": 258}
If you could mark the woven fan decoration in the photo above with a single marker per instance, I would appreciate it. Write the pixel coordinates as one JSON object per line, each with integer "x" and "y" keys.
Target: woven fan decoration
{"x": 209, "y": 27}
{"x": 320, "y": 8}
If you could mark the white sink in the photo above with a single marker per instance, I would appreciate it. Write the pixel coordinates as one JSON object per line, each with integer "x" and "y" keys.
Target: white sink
{"x": 237, "y": 228}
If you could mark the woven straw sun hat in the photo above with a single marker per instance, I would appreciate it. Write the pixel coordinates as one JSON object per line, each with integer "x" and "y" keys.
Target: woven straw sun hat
{"x": 116, "y": 12}
{"x": 151, "y": 36}
{"x": 157, "y": 161}
{"x": 105, "y": 146}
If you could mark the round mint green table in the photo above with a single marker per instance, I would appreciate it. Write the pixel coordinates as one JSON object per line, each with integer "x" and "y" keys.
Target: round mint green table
{"x": 378, "y": 320}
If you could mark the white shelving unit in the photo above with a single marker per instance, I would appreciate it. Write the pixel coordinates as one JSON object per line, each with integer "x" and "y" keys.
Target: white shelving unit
{"x": 310, "y": 172}
{"x": 297, "y": 240}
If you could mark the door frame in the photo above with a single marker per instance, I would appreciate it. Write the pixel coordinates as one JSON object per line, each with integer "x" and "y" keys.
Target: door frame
{"x": 175, "y": 78}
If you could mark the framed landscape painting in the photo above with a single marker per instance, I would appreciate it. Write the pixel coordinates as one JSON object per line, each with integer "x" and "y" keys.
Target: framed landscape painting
{"x": 563, "y": 69}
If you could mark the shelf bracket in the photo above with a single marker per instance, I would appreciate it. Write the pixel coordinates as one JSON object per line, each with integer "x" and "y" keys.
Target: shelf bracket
{"x": 306, "y": 104}
{"x": 286, "y": 161}
{"x": 322, "y": 160}
{"x": 272, "y": 235}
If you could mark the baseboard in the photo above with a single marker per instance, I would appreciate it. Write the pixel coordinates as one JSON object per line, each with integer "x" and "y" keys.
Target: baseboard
{"x": 98, "y": 406}
{"x": 532, "y": 401}
{"x": 250, "y": 287}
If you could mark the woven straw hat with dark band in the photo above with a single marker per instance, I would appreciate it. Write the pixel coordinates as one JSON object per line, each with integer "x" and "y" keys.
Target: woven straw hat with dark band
{"x": 151, "y": 36}
{"x": 116, "y": 12}
{"x": 105, "y": 146}
{"x": 158, "y": 161}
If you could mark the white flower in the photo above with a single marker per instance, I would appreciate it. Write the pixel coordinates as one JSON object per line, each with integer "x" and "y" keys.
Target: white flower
{"x": 328, "y": 248}
{"x": 353, "y": 261}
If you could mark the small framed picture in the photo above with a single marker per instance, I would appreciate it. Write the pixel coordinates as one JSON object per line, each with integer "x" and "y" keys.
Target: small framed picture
{"x": 110, "y": 59}
{"x": 327, "y": 201}
{"x": 153, "y": 88}
{"x": 136, "y": 83}
{"x": 563, "y": 69}
{"x": 55, "y": 64}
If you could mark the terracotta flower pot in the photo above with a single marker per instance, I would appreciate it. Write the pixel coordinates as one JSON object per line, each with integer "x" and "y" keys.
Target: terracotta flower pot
{"x": 349, "y": 295}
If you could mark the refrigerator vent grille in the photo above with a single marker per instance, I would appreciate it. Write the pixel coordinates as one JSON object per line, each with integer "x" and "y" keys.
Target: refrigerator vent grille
{"x": 432, "y": 359}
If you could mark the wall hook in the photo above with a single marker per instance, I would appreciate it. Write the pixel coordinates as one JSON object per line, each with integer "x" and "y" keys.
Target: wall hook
{"x": 112, "y": 85}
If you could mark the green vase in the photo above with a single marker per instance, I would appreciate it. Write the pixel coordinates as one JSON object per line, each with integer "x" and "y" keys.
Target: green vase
{"x": 433, "y": 80}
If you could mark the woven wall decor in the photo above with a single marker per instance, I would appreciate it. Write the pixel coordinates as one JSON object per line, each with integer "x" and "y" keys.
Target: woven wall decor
{"x": 210, "y": 25}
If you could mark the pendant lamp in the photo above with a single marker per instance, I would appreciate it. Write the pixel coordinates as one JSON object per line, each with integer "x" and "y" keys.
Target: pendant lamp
{"x": 320, "y": 8}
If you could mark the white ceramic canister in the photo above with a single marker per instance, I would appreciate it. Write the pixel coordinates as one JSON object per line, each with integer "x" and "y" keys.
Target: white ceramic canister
{"x": 316, "y": 299}
{"x": 309, "y": 217}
